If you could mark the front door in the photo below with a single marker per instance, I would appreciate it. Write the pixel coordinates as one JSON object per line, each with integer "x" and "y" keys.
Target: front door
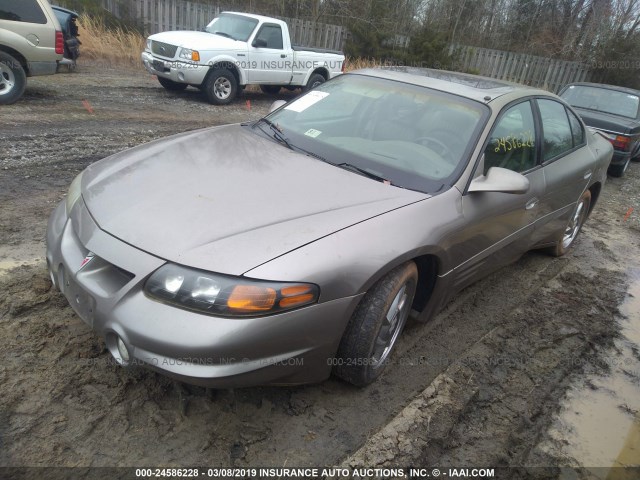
{"x": 270, "y": 64}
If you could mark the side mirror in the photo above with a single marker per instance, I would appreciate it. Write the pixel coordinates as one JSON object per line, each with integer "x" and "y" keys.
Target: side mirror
{"x": 259, "y": 43}
{"x": 276, "y": 105}
{"x": 500, "y": 180}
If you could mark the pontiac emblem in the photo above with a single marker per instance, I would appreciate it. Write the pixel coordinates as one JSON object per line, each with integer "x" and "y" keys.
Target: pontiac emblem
{"x": 86, "y": 260}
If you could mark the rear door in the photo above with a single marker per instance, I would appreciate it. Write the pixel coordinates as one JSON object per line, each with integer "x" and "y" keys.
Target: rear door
{"x": 567, "y": 164}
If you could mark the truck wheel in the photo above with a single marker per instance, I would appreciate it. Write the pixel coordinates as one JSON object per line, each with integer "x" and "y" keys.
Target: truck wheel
{"x": 221, "y": 87}
{"x": 375, "y": 326}
{"x": 171, "y": 85}
{"x": 315, "y": 80}
{"x": 270, "y": 89}
{"x": 13, "y": 79}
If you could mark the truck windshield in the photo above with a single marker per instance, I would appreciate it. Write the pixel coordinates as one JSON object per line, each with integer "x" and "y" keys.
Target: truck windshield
{"x": 236, "y": 27}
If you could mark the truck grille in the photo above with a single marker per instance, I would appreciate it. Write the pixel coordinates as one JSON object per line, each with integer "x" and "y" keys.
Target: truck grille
{"x": 163, "y": 49}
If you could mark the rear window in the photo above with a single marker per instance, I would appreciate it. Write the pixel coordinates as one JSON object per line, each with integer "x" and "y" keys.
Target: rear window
{"x": 602, "y": 100}
{"x": 28, "y": 11}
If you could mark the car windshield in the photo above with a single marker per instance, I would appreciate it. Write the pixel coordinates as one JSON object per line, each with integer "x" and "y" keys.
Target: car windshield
{"x": 236, "y": 27}
{"x": 602, "y": 100}
{"x": 412, "y": 136}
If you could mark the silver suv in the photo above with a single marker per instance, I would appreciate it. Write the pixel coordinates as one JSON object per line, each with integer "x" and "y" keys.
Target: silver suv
{"x": 31, "y": 43}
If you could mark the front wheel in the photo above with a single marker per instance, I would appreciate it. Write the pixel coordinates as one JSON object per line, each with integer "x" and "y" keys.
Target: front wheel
{"x": 375, "y": 326}
{"x": 315, "y": 80}
{"x": 220, "y": 87}
{"x": 574, "y": 225}
{"x": 171, "y": 85}
{"x": 13, "y": 79}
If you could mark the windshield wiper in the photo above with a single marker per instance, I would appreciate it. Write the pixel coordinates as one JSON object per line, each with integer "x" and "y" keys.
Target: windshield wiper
{"x": 363, "y": 171}
{"x": 224, "y": 34}
{"x": 277, "y": 132}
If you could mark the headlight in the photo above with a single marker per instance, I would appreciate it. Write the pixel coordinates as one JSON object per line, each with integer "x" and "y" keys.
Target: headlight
{"x": 149, "y": 44}
{"x": 223, "y": 295}
{"x": 74, "y": 192}
{"x": 188, "y": 54}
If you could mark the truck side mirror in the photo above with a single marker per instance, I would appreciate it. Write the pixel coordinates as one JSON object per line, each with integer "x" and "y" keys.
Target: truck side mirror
{"x": 259, "y": 43}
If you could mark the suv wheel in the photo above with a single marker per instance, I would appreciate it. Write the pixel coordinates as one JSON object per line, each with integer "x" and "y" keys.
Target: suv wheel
{"x": 13, "y": 80}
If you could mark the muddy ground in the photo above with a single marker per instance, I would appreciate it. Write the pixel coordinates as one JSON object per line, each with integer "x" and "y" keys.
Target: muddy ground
{"x": 503, "y": 353}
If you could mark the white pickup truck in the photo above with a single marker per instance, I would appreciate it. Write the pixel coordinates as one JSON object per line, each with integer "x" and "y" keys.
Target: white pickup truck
{"x": 236, "y": 50}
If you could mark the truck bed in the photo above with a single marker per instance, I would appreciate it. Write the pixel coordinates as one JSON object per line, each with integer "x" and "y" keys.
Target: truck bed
{"x": 299, "y": 48}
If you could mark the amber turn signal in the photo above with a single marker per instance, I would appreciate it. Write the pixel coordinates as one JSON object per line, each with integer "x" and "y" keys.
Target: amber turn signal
{"x": 251, "y": 298}
{"x": 296, "y": 295}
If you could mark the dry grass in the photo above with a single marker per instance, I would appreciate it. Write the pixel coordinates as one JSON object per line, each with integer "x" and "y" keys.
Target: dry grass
{"x": 119, "y": 47}
{"x": 358, "y": 63}
{"x": 114, "y": 46}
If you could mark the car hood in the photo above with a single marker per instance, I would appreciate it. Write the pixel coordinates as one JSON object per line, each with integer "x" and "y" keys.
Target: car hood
{"x": 609, "y": 122}
{"x": 198, "y": 40}
{"x": 227, "y": 200}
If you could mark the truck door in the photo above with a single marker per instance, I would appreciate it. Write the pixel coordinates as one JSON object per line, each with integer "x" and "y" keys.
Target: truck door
{"x": 270, "y": 63}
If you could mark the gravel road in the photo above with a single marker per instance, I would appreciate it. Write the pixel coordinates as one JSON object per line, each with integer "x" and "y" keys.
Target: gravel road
{"x": 503, "y": 354}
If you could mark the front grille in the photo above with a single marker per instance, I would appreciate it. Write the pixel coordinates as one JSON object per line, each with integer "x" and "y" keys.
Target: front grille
{"x": 163, "y": 49}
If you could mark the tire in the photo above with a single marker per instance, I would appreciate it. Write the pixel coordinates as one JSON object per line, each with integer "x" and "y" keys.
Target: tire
{"x": 618, "y": 170}
{"x": 13, "y": 79}
{"x": 171, "y": 85}
{"x": 574, "y": 225}
{"x": 314, "y": 80}
{"x": 220, "y": 87}
{"x": 270, "y": 89}
{"x": 370, "y": 336}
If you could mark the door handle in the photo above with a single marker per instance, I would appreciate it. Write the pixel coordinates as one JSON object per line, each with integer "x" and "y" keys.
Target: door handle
{"x": 531, "y": 204}
{"x": 587, "y": 174}
{"x": 283, "y": 55}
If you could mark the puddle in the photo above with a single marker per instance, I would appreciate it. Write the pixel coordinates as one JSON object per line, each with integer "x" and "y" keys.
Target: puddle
{"x": 599, "y": 423}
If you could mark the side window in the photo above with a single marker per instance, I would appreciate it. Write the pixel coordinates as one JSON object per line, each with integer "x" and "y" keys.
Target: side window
{"x": 576, "y": 129}
{"x": 512, "y": 141}
{"x": 272, "y": 35}
{"x": 28, "y": 11}
{"x": 556, "y": 131}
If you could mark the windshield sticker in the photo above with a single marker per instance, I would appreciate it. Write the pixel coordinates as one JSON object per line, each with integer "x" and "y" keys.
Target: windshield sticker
{"x": 312, "y": 132}
{"x": 305, "y": 102}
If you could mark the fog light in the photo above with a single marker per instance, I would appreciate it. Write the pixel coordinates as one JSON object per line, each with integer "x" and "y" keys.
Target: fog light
{"x": 181, "y": 77}
{"x": 122, "y": 350}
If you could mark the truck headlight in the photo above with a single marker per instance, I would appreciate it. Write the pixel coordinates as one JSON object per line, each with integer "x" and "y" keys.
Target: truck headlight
{"x": 188, "y": 54}
{"x": 149, "y": 43}
{"x": 224, "y": 295}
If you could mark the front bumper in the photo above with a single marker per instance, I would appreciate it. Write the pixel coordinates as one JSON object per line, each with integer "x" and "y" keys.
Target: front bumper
{"x": 107, "y": 293}
{"x": 178, "y": 71}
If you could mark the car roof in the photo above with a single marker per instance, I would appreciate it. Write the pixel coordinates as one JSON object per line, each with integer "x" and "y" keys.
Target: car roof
{"x": 251, "y": 15}
{"x": 605, "y": 86}
{"x": 475, "y": 87}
